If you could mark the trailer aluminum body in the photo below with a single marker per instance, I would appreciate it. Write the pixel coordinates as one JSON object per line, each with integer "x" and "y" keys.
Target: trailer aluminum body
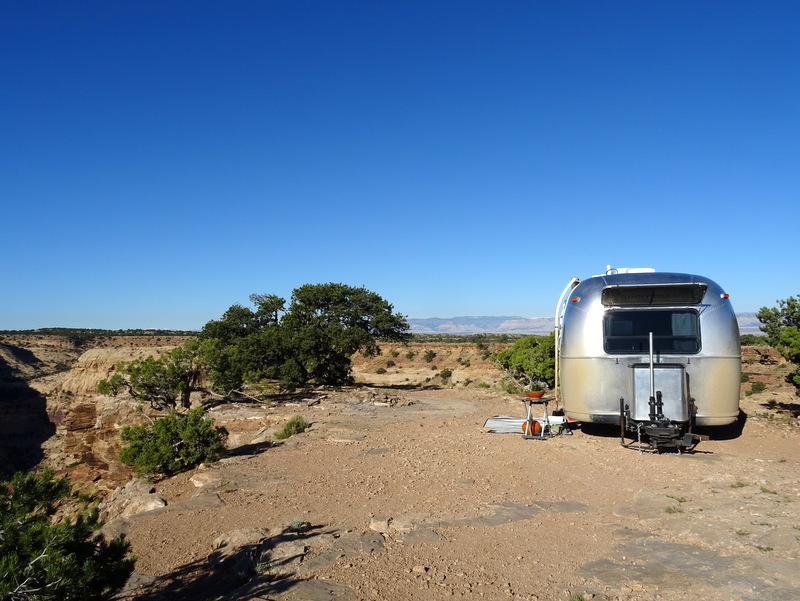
{"x": 636, "y": 345}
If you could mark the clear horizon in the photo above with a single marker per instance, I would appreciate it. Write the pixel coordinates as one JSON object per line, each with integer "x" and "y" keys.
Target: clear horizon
{"x": 750, "y": 325}
{"x": 163, "y": 161}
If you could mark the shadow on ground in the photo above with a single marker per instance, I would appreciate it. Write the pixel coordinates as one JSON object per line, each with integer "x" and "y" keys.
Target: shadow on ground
{"x": 255, "y": 448}
{"x": 791, "y": 408}
{"x": 260, "y": 570}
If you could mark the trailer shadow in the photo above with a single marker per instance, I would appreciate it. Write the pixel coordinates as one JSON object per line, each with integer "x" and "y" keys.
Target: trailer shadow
{"x": 600, "y": 430}
{"x": 729, "y": 432}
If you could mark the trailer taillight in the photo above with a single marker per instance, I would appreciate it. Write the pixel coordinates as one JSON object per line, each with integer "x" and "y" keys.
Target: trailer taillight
{"x": 575, "y": 299}
{"x": 724, "y": 295}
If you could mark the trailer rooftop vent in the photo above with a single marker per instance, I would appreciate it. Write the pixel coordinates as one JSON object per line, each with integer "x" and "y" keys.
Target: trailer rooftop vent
{"x": 615, "y": 270}
{"x": 650, "y": 295}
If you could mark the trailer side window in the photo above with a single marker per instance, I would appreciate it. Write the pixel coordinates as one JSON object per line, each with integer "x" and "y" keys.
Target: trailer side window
{"x": 674, "y": 331}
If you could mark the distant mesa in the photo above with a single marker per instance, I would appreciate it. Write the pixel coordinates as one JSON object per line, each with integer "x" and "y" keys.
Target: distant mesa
{"x": 482, "y": 325}
{"x": 748, "y": 324}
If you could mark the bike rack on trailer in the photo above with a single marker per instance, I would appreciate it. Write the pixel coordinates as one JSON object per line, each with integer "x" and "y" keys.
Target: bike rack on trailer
{"x": 646, "y": 418}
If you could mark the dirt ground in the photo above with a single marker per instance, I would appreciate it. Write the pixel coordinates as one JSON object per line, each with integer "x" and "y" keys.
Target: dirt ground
{"x": 397, "y": 493}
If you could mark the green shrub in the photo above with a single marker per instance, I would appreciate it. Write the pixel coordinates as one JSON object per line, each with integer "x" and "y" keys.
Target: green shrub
{"x": 295, "y": 425}
{"x": 795, "y": 379}
{"x": 43, "y": 559}
{"x": 410, "y": 355}
{"x": 789, "y": 345}
{"x": 395, "y": 354}
{"x": 172, "y": 444}
{"x": 745, "y": 378}
{"x": 390, "y": 363}
{"x": 380, "y": 371}
{"x": 530, "y": 360}
{"x": 445, "y": 374}
{"x": 753, "y": 340}
{"x": 429, "y": 356}
{"x": 757, "y": 387}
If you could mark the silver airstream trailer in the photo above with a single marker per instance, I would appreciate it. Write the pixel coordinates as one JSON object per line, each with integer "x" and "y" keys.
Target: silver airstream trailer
{"x": 655, "y": 352}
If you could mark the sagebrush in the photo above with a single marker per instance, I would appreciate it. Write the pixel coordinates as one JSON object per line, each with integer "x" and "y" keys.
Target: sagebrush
{"x": 295, "y": 425}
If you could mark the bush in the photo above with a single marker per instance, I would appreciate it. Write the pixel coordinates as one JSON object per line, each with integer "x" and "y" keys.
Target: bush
{"x": 745, "y": 377}
{"x": 530, "y": 360}
{"x": 42, "y": 559}
{"x": 757, "y": 387}
{"x": 295, "y": 425}
{"x": 380, "y": 371}
{"x": 390, "y": 363}
{"x": 445, "y": 374}
{"x": 794, "y": 378}
{"x": 410, "y": 355}
{"x": 172, "y": 444}
{"x": 429, "y": 356}
{"x": 789, "y": 345}
{"x": 753, "y": 340}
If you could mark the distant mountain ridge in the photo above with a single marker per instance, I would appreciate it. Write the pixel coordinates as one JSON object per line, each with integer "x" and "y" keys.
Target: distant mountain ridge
{"x": 748, "y": 324}
{"x": 482, "y": 325}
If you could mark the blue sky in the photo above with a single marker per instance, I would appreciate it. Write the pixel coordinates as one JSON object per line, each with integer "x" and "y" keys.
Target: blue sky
{"x": 161, "y": 161}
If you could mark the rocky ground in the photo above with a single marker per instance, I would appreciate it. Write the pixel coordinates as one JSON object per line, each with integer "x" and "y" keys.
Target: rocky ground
{"x": 397, "y": 492}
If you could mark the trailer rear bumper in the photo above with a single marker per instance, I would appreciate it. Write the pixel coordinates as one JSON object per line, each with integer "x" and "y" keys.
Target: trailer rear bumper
{"x": 613, "y": 418}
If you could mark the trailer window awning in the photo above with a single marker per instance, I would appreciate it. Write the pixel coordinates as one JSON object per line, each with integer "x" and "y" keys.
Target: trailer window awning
{"x": 658, "y": 295}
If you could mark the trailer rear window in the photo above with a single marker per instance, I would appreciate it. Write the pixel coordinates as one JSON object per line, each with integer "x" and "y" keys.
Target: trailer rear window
{"x": 674, "y": 331}
{"x": 660, "y": 294}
